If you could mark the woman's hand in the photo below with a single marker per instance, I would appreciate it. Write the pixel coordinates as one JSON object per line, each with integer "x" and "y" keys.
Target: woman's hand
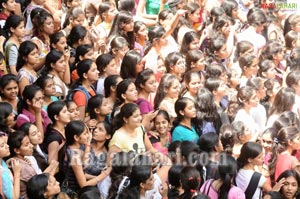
{"x": 163, "y": 190}
{"x": 278, "y": 185}
{"x": 91, "y": 124}
{"x": 16, "y": 166}
{"x": 37, "y": 106}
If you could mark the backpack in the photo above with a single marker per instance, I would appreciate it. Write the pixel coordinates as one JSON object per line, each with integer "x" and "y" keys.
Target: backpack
{"x": 83, "y": 90}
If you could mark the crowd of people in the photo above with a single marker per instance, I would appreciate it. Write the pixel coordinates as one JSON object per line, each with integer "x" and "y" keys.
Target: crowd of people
{"x": 154, "y": 99}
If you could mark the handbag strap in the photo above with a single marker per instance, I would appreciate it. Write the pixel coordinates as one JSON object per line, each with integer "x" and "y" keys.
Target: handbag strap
{"x": 206, "y": 192}
{"x": 252, "y": 185}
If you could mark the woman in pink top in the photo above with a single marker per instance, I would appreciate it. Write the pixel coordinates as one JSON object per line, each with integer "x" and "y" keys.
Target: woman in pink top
{"x": 222, "y": 188}
{"x": 288, "y": 140}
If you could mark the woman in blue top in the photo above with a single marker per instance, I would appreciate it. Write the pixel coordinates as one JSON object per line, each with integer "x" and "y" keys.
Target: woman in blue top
{"x": 183, "y": 126}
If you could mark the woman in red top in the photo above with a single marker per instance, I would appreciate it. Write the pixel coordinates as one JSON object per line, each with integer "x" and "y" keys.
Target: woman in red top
{"x": 83, "y": 88}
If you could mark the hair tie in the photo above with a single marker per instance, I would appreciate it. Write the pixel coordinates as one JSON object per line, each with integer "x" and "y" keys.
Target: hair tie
{"x": 193, "y": 190}
{"x": 276, "y": 140}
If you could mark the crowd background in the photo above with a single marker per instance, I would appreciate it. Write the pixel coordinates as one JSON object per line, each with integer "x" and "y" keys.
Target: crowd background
{"x": 149, "y": 99}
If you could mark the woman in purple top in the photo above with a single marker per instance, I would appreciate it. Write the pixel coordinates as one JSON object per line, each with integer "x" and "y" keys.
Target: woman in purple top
{"x": 30, "y": 108}
{"x": 146, "y": 84}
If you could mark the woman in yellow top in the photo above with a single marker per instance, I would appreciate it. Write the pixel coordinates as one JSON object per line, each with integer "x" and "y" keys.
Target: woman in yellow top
{"x": 129, "y": 133}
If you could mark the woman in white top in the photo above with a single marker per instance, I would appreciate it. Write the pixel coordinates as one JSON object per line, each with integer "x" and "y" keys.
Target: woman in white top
{"x": 57, "y": 68}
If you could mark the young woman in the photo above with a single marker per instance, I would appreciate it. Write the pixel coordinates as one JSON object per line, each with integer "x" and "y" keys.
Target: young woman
{"x": 14, "y": 25}
{"x": 292, "y": 41}
{"x": 267, "y": 141}
{"x": 106, "y": 67}
{"x": 7, "y": 121}
{"x": 175, "y": 188}
{"x": 291, "y": 183}
{"x": 223, "y": 188}
{"x": 247, "y": 97}
{"x": 242, "y": 135}
{"x": 162, "y": 127}
{"x": 122, "y": 27}
{"x": 143, "y": 183}
{"x": 58, "y": 69}
{"x": 28, "y": 59}
{"x": 274, "y": 51}
{"x": 242, "y": 48}
{"x": 167, "y": 94}
{"x": 219, "y": 51}
{"x": 78, "y": 36}
{"x": 99, "y": 108}
{"x": 84, "y": 51}
{"x": 287, "y": 141}
{"x": 183, "y": 126}
{"x": 98, "y": 152}
{"x": 76, "y": 135}
{"x": 145, "y": 84}
{"x": 118, "y": 48}
{"x": 10, "y": 183}
{"x": 141, "y": 36}
{"x": 19, "y": 147}
{"x": 118, "y": 177}
{"x": 73, "y": 110}
{"x": 190, "y": 181}
{"x": 193, "y": 83}
{"x": 175, "y": 64}
{"x": 30, "y": 108}
{"x": 36, "y": 139}
{"x": 9, "y": 91}
{"x": 169, "y": 20}
{"x": 74, "y": 17}
{"x": 110, "y": 88}
{"x": 55, "y": 135}
{"x": 284, "y": 101}
{"x": 46, "y": 83}
{"x": 58, "y": 41}
{"x": 190, "y": 41}
{"x": 126, "y": 93}
{"x": 266, "y": 69}
{"x": 8, "y": 8}
{"x": 248, "y": 64}
{"x": 129, "y": 134}
{"x": 153, "y": 49}
{"x": 191, "y": 18}
{"x": 208, "y": 119}
{"x": 259, "y": 113}
{"x": 42, "y": 186}
{"x": 194, "y": 60}
{"x": 131, "y": 65}
{"x": 107, "y": 13}
{"x": 43, "y": 27}
{"x": 251, "y": 156}
{"x": 210, "y": 143}
{"x": 83, "y": 88}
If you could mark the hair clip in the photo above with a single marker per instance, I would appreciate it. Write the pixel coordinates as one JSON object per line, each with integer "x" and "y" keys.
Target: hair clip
{"x": 276, "y": 140}
{"x": 193, "y": 190}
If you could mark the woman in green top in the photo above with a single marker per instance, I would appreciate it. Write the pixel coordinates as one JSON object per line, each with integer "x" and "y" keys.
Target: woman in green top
{"x": 153, "y": 7}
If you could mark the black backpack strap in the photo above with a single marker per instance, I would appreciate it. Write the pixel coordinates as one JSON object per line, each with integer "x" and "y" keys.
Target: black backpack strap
{"x": 253, "y": 184}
